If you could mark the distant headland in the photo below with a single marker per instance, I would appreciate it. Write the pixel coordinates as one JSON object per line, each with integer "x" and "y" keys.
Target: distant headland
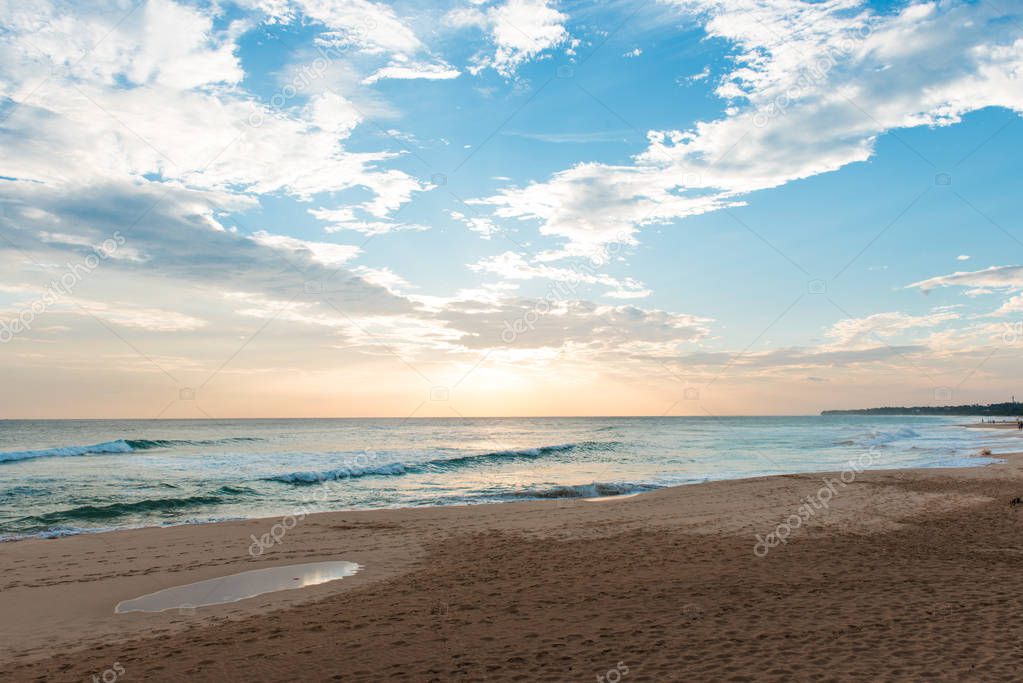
{"x": 1007, "y": 409}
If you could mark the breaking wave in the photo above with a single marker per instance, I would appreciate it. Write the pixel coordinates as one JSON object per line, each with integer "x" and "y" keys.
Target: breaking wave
{"x": 147, "y": 444}
{"x": 594, "y": 490}
{"x": 441, "y": 464}
{"x": 114, "y": 447}
{"x": 97, "y": 513}
{"x": 119, "y": 446}
{"x": 879, "y": 437}
{"x": 497, "y": 457}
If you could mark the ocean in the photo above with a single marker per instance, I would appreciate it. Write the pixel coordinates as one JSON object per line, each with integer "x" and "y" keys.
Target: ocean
{"x": 60, "y": 477}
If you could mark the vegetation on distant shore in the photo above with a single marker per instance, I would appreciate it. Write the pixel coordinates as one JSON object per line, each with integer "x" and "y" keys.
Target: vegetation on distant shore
{"x": 1007, "y": 409}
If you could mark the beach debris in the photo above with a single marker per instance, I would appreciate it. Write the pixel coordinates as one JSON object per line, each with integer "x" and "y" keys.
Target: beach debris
{"x": 1016, "y": 501}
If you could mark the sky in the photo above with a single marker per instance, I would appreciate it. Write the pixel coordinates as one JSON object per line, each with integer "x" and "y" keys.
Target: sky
{"x": 319, "y": 208}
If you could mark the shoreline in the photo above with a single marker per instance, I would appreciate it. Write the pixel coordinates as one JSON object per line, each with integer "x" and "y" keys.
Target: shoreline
{"x": 58, "y": 596}
{"x": 54, "y": 534}
{"x": 45, "y": 536}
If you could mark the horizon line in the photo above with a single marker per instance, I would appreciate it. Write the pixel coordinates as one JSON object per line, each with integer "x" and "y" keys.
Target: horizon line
{"x": 434, "y": 417}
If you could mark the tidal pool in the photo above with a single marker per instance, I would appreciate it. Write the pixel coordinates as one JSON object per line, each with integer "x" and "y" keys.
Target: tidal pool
{"x": 239, "y": 586}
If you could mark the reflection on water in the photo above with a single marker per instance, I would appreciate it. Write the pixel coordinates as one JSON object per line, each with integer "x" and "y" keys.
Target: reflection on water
{"x": 605, "y": 499}
{"x": 240, "y": 586}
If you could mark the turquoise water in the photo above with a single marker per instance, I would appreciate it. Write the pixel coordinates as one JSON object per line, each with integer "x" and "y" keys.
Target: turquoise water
{"x": 61, "y": 477}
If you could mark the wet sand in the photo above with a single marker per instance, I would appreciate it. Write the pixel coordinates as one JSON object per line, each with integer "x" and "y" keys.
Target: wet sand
{"x": 903, "y": 575}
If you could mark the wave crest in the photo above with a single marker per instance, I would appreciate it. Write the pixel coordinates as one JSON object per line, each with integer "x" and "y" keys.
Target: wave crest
{"x": 149, "y": 444}
{"x": 92, "y": 513}
{"x": 440, "y": 464}
{"x": 118, "y": 446}
{"x": 594, "y": 490}
{"x": 495, "y": 457}
{"x": 878, "y": 437}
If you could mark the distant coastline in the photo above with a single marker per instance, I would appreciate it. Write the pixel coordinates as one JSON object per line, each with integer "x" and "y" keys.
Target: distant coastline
{"x": 1007, "y": 409}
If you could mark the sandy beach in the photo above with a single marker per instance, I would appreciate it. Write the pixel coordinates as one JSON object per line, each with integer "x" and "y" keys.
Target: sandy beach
{"x": 901, "y": 575}
{"x": 511, "y": 340}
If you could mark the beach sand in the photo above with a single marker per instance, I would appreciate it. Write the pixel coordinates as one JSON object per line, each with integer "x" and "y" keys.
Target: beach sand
{"x": 905, "y": 575}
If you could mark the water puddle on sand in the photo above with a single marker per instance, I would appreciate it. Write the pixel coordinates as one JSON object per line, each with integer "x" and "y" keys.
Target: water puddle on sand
{"x": 239, "y": 586}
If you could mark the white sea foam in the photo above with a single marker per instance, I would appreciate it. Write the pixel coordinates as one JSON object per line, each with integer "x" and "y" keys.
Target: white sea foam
{"x": 119, "y": 446}
{"x": 879, "y": 437}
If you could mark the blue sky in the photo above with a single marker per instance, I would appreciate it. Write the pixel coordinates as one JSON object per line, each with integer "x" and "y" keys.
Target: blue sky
{"x": 307, "y": 207}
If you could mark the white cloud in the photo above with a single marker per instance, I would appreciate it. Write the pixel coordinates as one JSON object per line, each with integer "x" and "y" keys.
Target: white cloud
{"x": 635, "y": 52}
{"x": 143, "y": 318}
{"x": 465, "y": 17}
{"x": 512, "y": 266}
{"x": 325, "y": 253}
{"x": 94, "y": 242}
{"x": 408, "y": 70}
{"x": 481, "y": 225}
{"x": 995, "y": 277}
{"x": 1003, "y": 279}
{"x": 963, "y": 257}
{"x": 154, "y": 134}
{"x": 586, "y": 329}
{"x": 593, "y": 205}
{"x": 332, "y": 113}
{"x": 122, "y": 314}
{"x": 368, "y": 26}
{"x": 807, "y": 96}
{"x": 862, "y": 333}
{"x": 346, "y": 219}
{"x": 160, "y": 44}
{"x": 157, "y": 101}
{"x": 703, "y": 74}
{"x": 184, "y": 246}
{"x": 520, "y": 30}
{"x": 384, "y": 277}
{"x": 1011, "y": 306}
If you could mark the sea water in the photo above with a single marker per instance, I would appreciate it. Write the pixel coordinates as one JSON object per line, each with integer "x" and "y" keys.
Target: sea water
{"x": 63, "y": 477}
